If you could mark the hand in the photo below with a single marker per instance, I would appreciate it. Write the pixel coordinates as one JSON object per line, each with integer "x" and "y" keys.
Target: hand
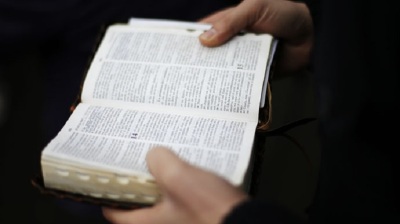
{"x": 190, "y": 195}
{"x": 290, "y": 21}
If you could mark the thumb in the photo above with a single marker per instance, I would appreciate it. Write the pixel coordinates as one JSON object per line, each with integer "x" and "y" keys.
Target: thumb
{"x": 185, "y": 182}
{"x": 233, "y": 21}
{"x": 174, "y": 176}
{"x": 195, "y": 192}
{"x": 163, "y": 163}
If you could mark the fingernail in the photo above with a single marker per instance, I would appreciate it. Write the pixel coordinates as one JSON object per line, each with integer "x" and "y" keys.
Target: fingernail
{"x": 209, "y": 34}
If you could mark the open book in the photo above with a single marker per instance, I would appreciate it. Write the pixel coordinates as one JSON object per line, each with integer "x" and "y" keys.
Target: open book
{"x": 152, "y": 83}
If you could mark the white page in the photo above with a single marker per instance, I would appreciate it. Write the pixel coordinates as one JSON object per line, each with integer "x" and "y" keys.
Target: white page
{"x": 146, "y": 54}
{"x": 117, "y": 140}
{"x": 165, "y": 24}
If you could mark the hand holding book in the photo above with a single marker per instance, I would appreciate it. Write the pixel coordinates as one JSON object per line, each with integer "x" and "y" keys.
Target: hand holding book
{"x": 185, "y": 201}
{"x": 153, "y": 86}
{"x": 297, "y": 46}
{"x": 286, "y": 20}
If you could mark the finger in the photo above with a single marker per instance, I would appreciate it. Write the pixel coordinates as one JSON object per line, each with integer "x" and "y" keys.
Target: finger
{"x": 164, "y": 164}
{"x": 174, "y": 176}
{"x": 185, "y": 183}
{"x": 215, "y": 16}
{"x": 233, "y": 21}
{"x": 142, "y": 216}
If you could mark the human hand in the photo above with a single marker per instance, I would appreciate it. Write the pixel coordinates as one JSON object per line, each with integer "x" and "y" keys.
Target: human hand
{"x": 190, "y": 195}
{"x": 290, "y": 21}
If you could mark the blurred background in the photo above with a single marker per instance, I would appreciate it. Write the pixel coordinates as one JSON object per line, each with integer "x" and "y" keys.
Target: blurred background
{"x": 45, "y": 47}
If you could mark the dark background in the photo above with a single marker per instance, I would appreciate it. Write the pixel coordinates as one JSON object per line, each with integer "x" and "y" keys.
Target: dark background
{"x": 29, "y": 117}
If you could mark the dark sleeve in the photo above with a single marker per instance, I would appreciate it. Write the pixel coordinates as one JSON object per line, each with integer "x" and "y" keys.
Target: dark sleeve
{"x": 257, "y": 211}
{"x": 357, "y": 72}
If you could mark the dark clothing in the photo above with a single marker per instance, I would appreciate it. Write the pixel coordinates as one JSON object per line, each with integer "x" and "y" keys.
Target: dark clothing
{"x": 356, "y": 63}
{"x": 261, "y": 212}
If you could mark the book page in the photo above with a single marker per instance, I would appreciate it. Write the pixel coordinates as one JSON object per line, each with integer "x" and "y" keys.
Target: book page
{"x": 162, "y": 23}
{"x": 168, "y": 69}
{"x": 117, "y": 140}
{"x": 167, "y": 23}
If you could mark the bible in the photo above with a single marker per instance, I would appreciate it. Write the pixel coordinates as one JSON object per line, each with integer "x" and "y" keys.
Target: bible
{"x": 151, "y": 83}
